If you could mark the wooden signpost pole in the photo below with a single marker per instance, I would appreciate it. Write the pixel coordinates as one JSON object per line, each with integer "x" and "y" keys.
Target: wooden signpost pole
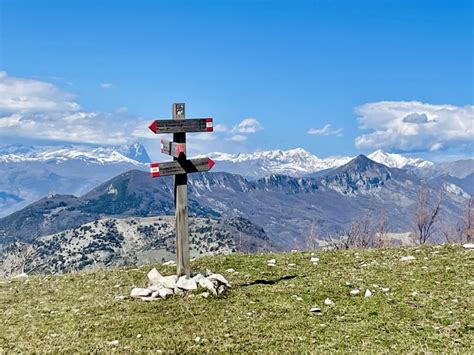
{"x": 180, "y": 167}
{"x": 181, "y": 203}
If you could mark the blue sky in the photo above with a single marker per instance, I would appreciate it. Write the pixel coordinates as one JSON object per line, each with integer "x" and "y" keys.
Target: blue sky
{"x": 282, "y": 68}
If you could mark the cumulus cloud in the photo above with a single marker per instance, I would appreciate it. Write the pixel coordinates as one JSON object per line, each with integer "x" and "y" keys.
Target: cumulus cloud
{"x": 325, "y": 131}
{"x": 415, "y": 126}
{"x": 248, "y": 125}
{"x": 37, "y": 109}
{"x": 23, "y": 95}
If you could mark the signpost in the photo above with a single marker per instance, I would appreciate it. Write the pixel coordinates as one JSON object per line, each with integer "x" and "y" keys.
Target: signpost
{"x": 180, "y": 167}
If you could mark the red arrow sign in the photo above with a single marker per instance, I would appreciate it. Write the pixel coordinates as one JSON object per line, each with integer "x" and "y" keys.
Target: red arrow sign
{"x": 176, "y": 167}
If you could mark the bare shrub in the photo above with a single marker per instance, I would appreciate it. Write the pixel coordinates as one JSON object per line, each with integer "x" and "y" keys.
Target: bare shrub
{"x": 362, "y": 233}
{"x": 469, "y": 226}
{"x": 462, "y": 232}
{"x": 428, "y": 206}
{"x": 312, "y": 240}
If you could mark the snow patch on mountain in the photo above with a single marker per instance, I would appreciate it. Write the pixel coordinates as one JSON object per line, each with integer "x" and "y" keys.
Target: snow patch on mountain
{"x": 398, "y": 161}
{"x": 455, "y": 190}
{"x": 294, "y": 162}
{"x": 299, "y": 162}
{"x": 133, "y": 154}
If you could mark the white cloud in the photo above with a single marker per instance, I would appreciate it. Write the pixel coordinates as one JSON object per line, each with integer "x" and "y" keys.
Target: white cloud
{"x": 24, "y": 95}
{"x": 415, "y": 126}
{"x": 220, "y": 128}
{"x": 107, "y": 86}
{"x": 238, "y": 138}
{"x": 37, "y": 109}
{"x": 325, "y": 131}
{"x": 248, "y": 125}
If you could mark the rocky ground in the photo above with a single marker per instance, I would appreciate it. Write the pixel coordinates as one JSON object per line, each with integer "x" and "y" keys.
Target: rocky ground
{"x": 129, "y": 241}
{"x": 413, "y": 299}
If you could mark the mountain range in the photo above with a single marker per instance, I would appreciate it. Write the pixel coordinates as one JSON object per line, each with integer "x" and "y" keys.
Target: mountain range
{"x": 287, "y": 208}
{"x": 299, "y": 162}
{"x": 28, "y": 173}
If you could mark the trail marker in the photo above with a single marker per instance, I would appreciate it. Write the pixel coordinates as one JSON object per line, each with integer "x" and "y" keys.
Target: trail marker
{"x": 180, "y": 167}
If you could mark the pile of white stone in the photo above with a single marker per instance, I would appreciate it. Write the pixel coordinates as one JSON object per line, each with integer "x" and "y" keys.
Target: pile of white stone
{"x": 164, "y": 286}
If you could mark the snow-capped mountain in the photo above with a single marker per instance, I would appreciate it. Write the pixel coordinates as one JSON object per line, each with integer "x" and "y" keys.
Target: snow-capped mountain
{"x": 31, "y": 172}
{"x": 398, "y": 161}
{"x": 293, "y": 162}
{"x": 132, "y": 154}
{"x": 299, "y": 162}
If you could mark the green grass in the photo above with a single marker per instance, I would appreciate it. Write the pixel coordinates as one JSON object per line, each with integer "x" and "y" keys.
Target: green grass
{"x": 79, "y": 313}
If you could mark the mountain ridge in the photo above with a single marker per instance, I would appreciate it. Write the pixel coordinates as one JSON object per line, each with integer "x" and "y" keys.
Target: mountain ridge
{"x": 286, "y": 207}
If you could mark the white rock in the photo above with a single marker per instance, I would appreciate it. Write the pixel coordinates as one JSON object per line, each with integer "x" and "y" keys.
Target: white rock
{"x": 294, "y": 250}
{"x": 149, "y": 299}
{"x": 197, "y": 277}
{"x": 299, "y": 298}
{"x": 209, "y": 285}
{"x": 205, "y": 294}
{"x": 154, "y": 288}
{"x": 155, "y": 277}
{"x": 165, "y": 292}
{"x": 291, "y": 264}
{"x": 138, "y": 292}
{"x": 23, "y": 275}
{"x": 272, "y": 265}
{"x": 328, "y": 302}
{"x": 271, "y": 261}
{"x": 155, "y": 294}
{"x": 170, "y": 263}
{"x": 219, "y": 278}
{"x": 169, "y": 281}
{"x": 385, "y": 289}
{"x": 468, "y": 245}
{"x": 368, "y": 293}
{"x": 113, "y": 342}
{"x": 197, "y": 339}
{"x": 355, "y": 292}
{"x": 120, "y": 298}
{"x": 407, "y": 258}
{"x": 314, "y": 259}
{"x": 315, "y": 310}
{"x": 186, "y": 284}
{"x": 230, "y": 270}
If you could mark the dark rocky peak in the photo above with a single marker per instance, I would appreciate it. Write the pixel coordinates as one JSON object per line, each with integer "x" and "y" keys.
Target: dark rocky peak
{"x": 361, "y": 174}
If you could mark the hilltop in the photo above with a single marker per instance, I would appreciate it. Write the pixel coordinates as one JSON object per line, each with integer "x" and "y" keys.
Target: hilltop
{"x": 428, "y": 307}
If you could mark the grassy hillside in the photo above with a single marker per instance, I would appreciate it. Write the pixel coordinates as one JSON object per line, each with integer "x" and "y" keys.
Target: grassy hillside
{"x": 429, "y": 306}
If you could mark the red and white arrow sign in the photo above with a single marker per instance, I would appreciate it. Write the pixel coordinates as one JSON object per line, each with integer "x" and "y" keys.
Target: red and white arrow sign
{"x": 185, "y": 166}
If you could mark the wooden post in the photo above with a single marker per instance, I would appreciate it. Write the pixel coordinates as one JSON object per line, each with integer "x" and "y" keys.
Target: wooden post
{"x": 180, "y": 167}
{"x": 181, "y": 203}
